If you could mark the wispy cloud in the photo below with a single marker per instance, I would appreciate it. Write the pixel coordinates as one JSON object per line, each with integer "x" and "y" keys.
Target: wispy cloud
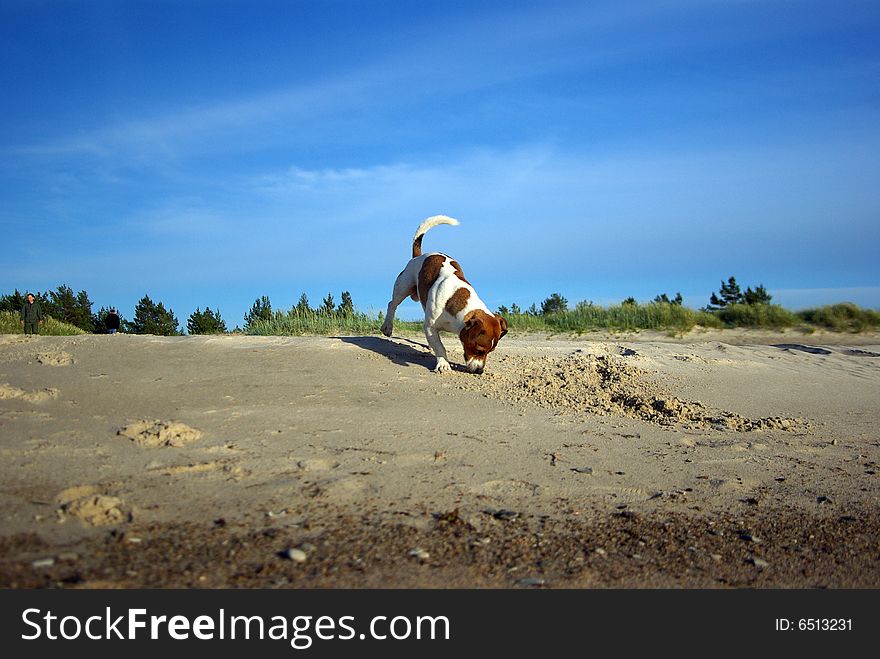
{"x": 479, "y": 53}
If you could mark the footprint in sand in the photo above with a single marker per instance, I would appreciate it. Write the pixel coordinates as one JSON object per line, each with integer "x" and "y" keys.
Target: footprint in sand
{"x": 8, "y": 392}
{"x": 149, "y": 433}
{"x": 503, "y": 488}
{"x": 346, "y": 488}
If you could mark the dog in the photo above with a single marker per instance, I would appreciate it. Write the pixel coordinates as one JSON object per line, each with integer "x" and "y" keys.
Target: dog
{"x": 450, "y": 302}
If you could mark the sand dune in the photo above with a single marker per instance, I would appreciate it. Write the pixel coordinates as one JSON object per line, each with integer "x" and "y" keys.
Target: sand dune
{"x": 717, "y": 459}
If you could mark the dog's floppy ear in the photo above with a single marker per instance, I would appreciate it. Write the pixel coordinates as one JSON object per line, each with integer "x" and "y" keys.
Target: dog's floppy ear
{"x": 503, "y": 326}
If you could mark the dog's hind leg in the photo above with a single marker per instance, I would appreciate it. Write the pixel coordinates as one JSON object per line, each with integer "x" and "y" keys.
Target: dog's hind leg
{"x": 403, "y": 288}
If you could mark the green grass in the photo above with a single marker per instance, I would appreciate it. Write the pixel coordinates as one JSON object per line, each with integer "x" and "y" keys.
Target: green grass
{"x": 844, "y": 317}
{"x": 10, "y": 324}
{"x": 768, "y": 316}
{"x": 662, "y": 316}
{"x": 658, "y": 316}
{"x": 297, "y": 323}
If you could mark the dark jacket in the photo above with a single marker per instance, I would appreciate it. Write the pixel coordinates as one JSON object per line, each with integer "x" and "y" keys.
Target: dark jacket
{"x": 31, "y": 312}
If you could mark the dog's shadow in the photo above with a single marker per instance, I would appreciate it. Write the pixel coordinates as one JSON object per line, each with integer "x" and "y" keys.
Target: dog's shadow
{"x": 399, "y": 350}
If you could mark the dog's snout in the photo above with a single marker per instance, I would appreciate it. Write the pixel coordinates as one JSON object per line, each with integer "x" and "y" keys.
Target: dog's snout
{"x": 476, "y": 366}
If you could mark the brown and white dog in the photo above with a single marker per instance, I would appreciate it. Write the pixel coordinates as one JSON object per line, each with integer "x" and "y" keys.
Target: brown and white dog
{"x": 451, "y": 304}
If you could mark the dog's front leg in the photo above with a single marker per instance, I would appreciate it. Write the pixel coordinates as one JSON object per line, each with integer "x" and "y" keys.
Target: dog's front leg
{"x": 436, "y": 344}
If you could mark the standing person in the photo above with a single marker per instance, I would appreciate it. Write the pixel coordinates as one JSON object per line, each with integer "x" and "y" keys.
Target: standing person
{"x": 31, "y": 315}
{"x": 112, "y": 321}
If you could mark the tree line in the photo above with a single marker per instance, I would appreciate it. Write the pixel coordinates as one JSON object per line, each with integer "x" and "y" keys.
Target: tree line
{"x": 153, "y": 317}
{"x": 728, "y": 295}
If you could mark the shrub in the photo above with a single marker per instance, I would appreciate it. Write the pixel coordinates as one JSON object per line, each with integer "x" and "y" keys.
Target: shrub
{"x": 843, "y": 317}
{"x": 756, "y": 315}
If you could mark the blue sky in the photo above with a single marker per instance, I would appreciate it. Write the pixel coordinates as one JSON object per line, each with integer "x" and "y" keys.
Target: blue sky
{"x": 208, "y": 153}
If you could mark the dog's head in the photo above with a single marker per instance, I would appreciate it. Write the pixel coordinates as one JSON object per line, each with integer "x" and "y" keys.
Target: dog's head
{"x": 479, "y": 336}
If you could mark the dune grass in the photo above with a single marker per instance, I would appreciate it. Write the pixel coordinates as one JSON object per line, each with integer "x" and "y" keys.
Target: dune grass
{"x": 767, "y": 316}
{"x": 844, "y": 317}
{"x": 10, "y": 324}
{"x": 657, "y": 316}
{"x": 660, "y": 316}
{"x": 297, "y": 323}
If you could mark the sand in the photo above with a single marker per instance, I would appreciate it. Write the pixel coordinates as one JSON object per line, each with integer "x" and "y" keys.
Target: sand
{"x": 716, "y": 459}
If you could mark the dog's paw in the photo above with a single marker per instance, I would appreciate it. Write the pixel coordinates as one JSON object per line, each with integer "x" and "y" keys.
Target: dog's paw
{"x": 442, "y": 366}
{"x": 387, "y": 329}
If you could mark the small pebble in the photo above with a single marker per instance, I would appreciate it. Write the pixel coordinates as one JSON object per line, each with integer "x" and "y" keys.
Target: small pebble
{"x": 583, "y": 470}
{"x": 68, "y": 556}
{"x": 757, "y": 562}
{"x": 420, "y": 554}
{"x": 531, "y": 581}
{"x": 295, "y": 555}
{"x": 715, "y": 557}
{"x": 43, "y": 562}
{"x": 600, "y": 551}
{"x": 505, "y": 515}
{"x": 823, "y": 499}
{"x": 748, "y": 537}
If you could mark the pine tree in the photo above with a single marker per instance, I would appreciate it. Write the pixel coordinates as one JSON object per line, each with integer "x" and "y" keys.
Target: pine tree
{"x": 554, "y": 304}
{"x": 205, "y": 322}
{"x": 13, "y": 302}
{"x": 730, "y": 294}
{"x": 630, "y": 301}
{"x": 346, "y": 307}
{"x": 327, "y": 305}
{"x": 302, "y": 307}
{"x": 757, "y": 296}
{"x": 260, "y": 311}
{"x": 677, "y": 300}
{"x": 76, "y": 309}
{"x": 153, "y": 318}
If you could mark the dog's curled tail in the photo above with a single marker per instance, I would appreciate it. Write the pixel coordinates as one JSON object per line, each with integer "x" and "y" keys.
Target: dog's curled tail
{"x": 423, "y": 229}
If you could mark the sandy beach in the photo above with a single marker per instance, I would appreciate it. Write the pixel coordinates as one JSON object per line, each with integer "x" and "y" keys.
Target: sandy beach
{"x": 717, "y": 459}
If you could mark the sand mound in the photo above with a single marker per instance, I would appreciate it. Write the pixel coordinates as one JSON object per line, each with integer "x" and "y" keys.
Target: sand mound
{"x": 8, "y": 392}
{"x": 59, "y": 358}
{"x": 582, "y": 383}
{"x": 152, "y": 433}
{"x": 96, "y": 510}
{"x": 76, "y": 492}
